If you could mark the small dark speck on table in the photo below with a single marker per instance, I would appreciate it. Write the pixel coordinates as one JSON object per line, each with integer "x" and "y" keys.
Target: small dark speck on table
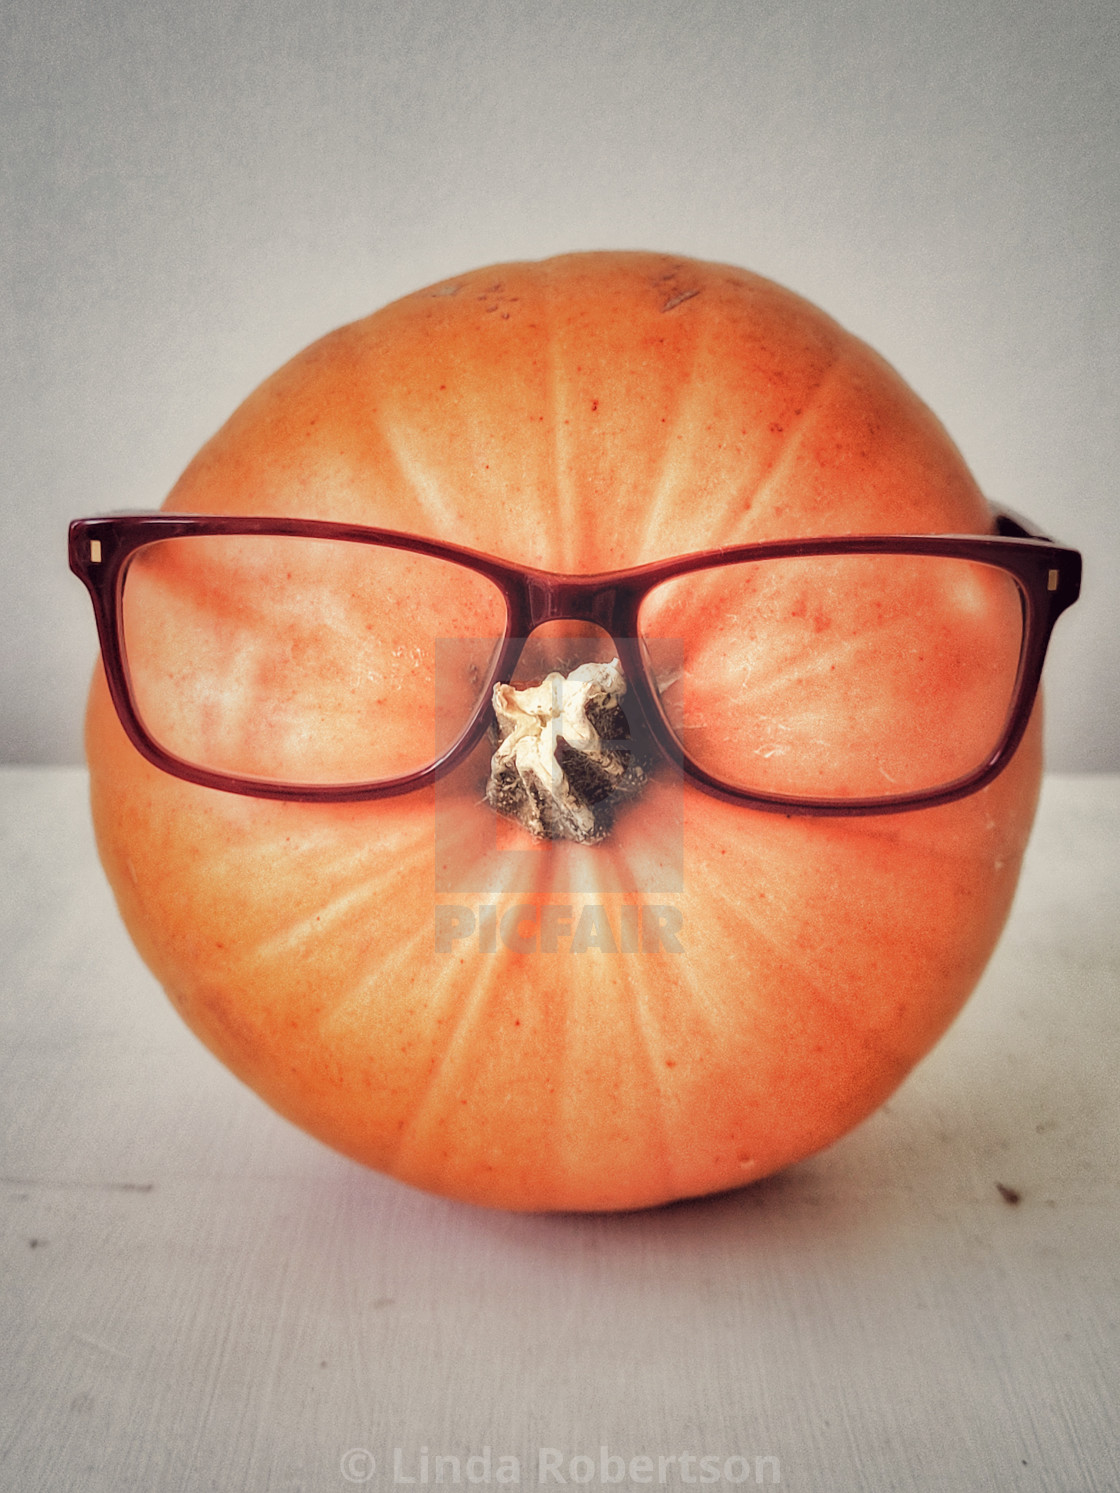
{"x": 1009, "y": 1194}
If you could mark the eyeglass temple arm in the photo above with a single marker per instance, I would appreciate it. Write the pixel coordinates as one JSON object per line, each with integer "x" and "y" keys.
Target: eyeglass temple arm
{"x": 1012, "y": 525}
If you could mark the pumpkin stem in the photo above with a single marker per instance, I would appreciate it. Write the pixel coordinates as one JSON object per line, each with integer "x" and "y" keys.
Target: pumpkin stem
{"x": 563, "y": 763}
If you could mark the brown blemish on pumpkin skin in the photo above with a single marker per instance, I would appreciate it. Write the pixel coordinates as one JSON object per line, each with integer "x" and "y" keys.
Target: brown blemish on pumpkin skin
{"x": 678, "y": 300}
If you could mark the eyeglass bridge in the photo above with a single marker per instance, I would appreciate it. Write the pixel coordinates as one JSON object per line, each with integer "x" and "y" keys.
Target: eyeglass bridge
{"x": 567, "y": 600}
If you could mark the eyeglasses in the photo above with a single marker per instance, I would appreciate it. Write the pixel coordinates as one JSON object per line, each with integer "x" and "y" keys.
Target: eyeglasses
{"x": 309, "y": 660}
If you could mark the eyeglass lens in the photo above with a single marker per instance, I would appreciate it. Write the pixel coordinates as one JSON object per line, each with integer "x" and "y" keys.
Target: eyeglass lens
{"x": 324, "y": 662}
{"x": 303, "y": 660}
{"x": 839, "y": 676}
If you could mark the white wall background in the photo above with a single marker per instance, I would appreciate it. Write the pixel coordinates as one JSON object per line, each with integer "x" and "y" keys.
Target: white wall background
{"x": 194, "y": 189}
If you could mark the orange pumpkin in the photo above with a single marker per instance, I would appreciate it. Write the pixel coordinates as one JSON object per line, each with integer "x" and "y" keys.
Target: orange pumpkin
{"x": 590, "y": 412}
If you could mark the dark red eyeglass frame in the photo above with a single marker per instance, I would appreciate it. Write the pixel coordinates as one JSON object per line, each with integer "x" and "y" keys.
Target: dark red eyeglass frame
{"x": 1049, "y": 577}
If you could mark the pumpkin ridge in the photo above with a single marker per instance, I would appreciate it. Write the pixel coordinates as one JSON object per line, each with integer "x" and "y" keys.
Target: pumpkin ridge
{"x": 564, "y": 515}
{"x": 465, "y": 1007}
{"x": 343, "y": 883}
{"x": 757, "y": 922}
{"x": 664, "y": 500}
{"x": 636, "y": 1133}
{"x": 438, "y": 513}
{"x": 652, "y": 1046}
{"x": 760, "y": 501}
{"x": 659, "y": 1051}
{"x": 776, "y": 928}
{"x": 340, "y": 907}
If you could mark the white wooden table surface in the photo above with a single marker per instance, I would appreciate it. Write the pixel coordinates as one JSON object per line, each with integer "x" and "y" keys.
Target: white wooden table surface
{"x": 197, "y": 1296}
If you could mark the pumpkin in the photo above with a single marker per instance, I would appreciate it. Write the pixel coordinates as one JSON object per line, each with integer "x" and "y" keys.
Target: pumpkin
{"x": 577, "y": 1040}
